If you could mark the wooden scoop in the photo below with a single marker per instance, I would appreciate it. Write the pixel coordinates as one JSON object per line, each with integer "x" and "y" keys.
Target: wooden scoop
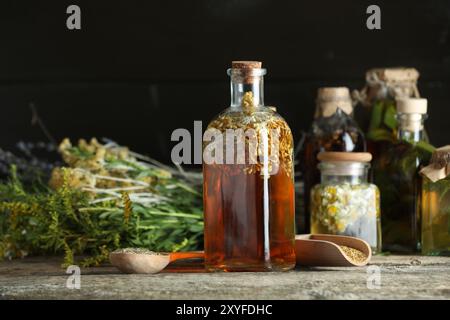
{"x": 311, "y": 250}
{"x": 145, "y": 261}
{"x": 325, "y": 250}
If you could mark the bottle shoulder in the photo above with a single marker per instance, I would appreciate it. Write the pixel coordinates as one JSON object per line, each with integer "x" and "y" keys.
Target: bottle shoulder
{"x": 401, "y": 149}
{"x": 397, "y": 161}
{"x": 338, "y": 132}
{"x": 249, "y": 118}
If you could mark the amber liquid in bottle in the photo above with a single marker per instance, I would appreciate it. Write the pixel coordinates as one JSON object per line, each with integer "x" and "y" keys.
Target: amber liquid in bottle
{"x": 244, "y": 229}
{"x": 249, "y": 214}
{"x": 436, "y": 217}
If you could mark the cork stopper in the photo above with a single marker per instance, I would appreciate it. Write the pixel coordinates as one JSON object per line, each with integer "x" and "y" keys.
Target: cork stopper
{"x": 332, "y": 156}
{"x": 388, "y": 83}
{"x": 412, "y": 105}
{"x": 246, "y": 71}
{"x": 439, "y": 167}
{"x": 392, "y": 75}
{"x": 329, "y": 99}
{"x": 246, "y": 64}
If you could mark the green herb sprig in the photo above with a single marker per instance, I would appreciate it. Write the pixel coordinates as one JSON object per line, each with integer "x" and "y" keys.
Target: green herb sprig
{"x": 106, "y": 197}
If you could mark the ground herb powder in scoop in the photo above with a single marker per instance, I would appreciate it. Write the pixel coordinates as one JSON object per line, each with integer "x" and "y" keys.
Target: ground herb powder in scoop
{"x": 355, "y": 255}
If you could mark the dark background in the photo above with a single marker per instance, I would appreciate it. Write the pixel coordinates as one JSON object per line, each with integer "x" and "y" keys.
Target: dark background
{"x": 139, "y": 69}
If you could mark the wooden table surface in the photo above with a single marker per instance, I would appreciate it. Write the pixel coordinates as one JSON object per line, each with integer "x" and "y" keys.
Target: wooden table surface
{"x": 388, "y": 277}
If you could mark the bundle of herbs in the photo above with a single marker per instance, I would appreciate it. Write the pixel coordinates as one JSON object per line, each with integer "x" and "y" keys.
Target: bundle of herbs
{"x": 103, "y": 198}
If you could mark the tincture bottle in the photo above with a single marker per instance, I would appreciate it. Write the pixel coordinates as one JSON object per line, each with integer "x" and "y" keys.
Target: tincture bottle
{"x": 248, "y": 181}
{"x": 333, "y": 129}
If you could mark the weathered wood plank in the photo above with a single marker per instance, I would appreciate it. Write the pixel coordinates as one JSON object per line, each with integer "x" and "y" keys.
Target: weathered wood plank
{"x": 402, "y": 277}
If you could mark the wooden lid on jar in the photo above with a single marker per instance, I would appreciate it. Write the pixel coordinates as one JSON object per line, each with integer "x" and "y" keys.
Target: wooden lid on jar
{"x": 334, "y": 156}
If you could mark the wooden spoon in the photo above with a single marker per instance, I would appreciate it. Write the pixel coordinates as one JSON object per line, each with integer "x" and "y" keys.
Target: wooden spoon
{"x": 325, "y": 250}
{"x": 145, "y": 261}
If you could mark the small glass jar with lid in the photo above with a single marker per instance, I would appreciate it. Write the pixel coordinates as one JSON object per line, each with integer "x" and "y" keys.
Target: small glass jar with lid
{"x": 436, "y": 204}
{"x": 345, "y": 203}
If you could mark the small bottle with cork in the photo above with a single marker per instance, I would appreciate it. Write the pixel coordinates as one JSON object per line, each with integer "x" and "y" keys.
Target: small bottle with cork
{"x": 396, "y": 173}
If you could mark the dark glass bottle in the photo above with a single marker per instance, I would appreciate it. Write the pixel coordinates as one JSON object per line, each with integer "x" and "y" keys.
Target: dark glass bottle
{"x": 333, "y": 129}
{"x": 395, "y": 172}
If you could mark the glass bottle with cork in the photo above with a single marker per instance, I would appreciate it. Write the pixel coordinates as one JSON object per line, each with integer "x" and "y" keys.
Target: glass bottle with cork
{"x": 333, "y": 129}
{"x": 436, "y": 204}
{"x": 249, "y": 196}
{"x": 396, "y": 173}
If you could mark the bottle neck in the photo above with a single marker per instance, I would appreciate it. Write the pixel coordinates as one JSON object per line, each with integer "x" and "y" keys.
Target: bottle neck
{"x": 411, "y": 126}
{"x": 245, "y": 85}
